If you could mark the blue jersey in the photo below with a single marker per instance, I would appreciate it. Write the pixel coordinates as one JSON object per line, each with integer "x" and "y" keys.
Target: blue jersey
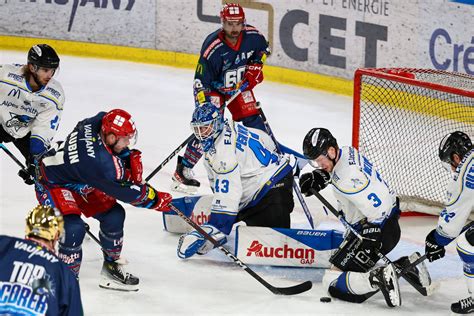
{"x": 222, "y": 66}
{"x": 33, "y": 281}
{"x": 84, "y": 161}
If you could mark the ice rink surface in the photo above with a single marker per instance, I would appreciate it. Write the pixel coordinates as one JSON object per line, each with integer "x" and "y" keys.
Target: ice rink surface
{"x": 160, "y": 100}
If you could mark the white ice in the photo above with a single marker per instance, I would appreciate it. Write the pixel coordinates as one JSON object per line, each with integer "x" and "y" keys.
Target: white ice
{"x": 160, "y": 99}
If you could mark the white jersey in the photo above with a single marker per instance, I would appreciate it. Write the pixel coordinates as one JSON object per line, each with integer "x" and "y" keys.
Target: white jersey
{"x": 460, "y": 199}
{"x": 23, "y": 111}
{"x": 241, "y": 168}
{"x": 359, "y": 188}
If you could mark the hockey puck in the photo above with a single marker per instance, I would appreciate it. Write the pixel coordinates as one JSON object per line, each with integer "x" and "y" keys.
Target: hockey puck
{"x": 325, "y": 299}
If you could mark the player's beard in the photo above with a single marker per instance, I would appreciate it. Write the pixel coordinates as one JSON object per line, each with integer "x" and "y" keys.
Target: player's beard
{"x": 234, "y": 35}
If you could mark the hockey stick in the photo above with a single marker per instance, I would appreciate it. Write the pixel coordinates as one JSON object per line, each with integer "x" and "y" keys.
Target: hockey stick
{"x": 295, "y": 186}
{"x": 422, "y": 290}
{"x": 12, "y": 156}
{"x": 292, "y": 290}
{"x": 161, "y": 165}
{"x": 184, "y": 143}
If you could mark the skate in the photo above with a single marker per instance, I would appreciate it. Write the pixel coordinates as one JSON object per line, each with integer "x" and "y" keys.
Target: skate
{"x": 418, "y": 274}
{"x": 385, "y": 278}
{"x": 114, "y": 277}
{"x": 183, "y": 180}
{"x": 465, "y": 306}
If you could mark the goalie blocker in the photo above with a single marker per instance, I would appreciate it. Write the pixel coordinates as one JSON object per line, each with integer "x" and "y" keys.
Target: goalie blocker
{"x": 262, "y": 245}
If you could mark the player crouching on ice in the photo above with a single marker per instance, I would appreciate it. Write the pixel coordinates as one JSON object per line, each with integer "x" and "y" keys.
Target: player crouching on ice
{"x": 250, "y": 181}
{"x": 86, "y": 174}
{"x": 457, "y": 154}
{"x": 371, "y": 208}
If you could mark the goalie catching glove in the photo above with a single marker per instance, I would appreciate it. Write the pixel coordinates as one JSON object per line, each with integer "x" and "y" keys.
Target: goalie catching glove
{"x": 193, "y": 242}
{"x": 317, "y": 180}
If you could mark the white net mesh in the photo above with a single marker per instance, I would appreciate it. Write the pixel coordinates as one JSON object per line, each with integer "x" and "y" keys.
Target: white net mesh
{"x": 404, "y": 114}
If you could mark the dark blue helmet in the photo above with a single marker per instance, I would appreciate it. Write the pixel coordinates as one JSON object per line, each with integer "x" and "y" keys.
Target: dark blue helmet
{"x": 454, "y": 143}
{"x": 43, "y": 55}
{"x": 206, "y": 124}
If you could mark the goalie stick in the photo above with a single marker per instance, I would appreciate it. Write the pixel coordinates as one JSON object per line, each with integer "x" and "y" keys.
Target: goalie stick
{"x": 184, "y": 143}
{"x": 295, "y": 186}
{"x": 292, "y": 290}
{"x": 401, "y": 273}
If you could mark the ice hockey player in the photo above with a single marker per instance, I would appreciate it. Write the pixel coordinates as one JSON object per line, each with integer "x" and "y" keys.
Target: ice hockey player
{"x": 231, "y": 58}
{"x": 250, "y": 181}
{"x": 86, "y": 175}
{"x": 371, "y": 208}
{"x": 31, "y": 103}
{"x": 33, "y": 281}
{"x": 457, "y": 155}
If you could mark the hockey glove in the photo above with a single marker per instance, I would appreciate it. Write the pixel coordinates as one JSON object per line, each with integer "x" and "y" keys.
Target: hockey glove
{"x": 162, "y": 201}
{"x": 372, "y": 235}
{"x": 317, "y": 180}
{"x": 193, "y": 242}
{"x": 135, "y": 173}
{"x": 432, "y": 249}
{"x": 253, "y": 75}
{"x": 29, "y": 174}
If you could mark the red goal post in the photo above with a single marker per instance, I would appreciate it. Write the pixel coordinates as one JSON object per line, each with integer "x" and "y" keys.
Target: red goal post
{"x": 399, "y": 118}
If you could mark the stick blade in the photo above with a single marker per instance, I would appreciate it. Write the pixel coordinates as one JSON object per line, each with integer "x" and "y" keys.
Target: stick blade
{"x": 293, "y": 290}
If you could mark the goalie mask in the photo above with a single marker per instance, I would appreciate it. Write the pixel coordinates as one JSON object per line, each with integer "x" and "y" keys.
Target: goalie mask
{"x": 120, "y": 123}
{"x": 44, "y": 222}
{"x": 206, "y": 124}
{"x": 317, "y": 142}
{"x": 454, "y": 143}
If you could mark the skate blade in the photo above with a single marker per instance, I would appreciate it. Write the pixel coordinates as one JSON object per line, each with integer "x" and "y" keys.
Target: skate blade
{"x": 395, "y": 298}
{"x": 110, "y": 284}
{"x": 179, "y": 187}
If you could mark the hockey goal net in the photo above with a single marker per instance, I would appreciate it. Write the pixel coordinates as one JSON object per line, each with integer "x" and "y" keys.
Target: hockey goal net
{"x": 399, "y": 118}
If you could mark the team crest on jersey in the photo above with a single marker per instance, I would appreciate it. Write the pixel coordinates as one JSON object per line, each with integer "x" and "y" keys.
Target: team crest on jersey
{"x": 356, "y": 183}
{"x": 18, "y": 121}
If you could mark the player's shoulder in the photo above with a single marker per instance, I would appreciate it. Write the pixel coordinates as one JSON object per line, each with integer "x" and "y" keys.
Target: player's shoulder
{"x": 347, "y": 174}
{"x": 211, "y": 44}
{"x": 54, "y": 92}
{"x": 252, "y": 31}
{"x": 349, "y": 156}
{"x": 461, "y": 179}
{"x": 12, "y": 72}
{"x": 223, "y": 158}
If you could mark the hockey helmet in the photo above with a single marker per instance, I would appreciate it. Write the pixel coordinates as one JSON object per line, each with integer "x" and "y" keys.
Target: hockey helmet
{"x": 317, "y": 142}
{"x": 232, "y": 12}
{"x": 119, "y": 123}
{"x": 44, "y": 222}
{"x": 43, "y": 55}
{"x": 207, "y": 123}
{"x": 454, "y": 143}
